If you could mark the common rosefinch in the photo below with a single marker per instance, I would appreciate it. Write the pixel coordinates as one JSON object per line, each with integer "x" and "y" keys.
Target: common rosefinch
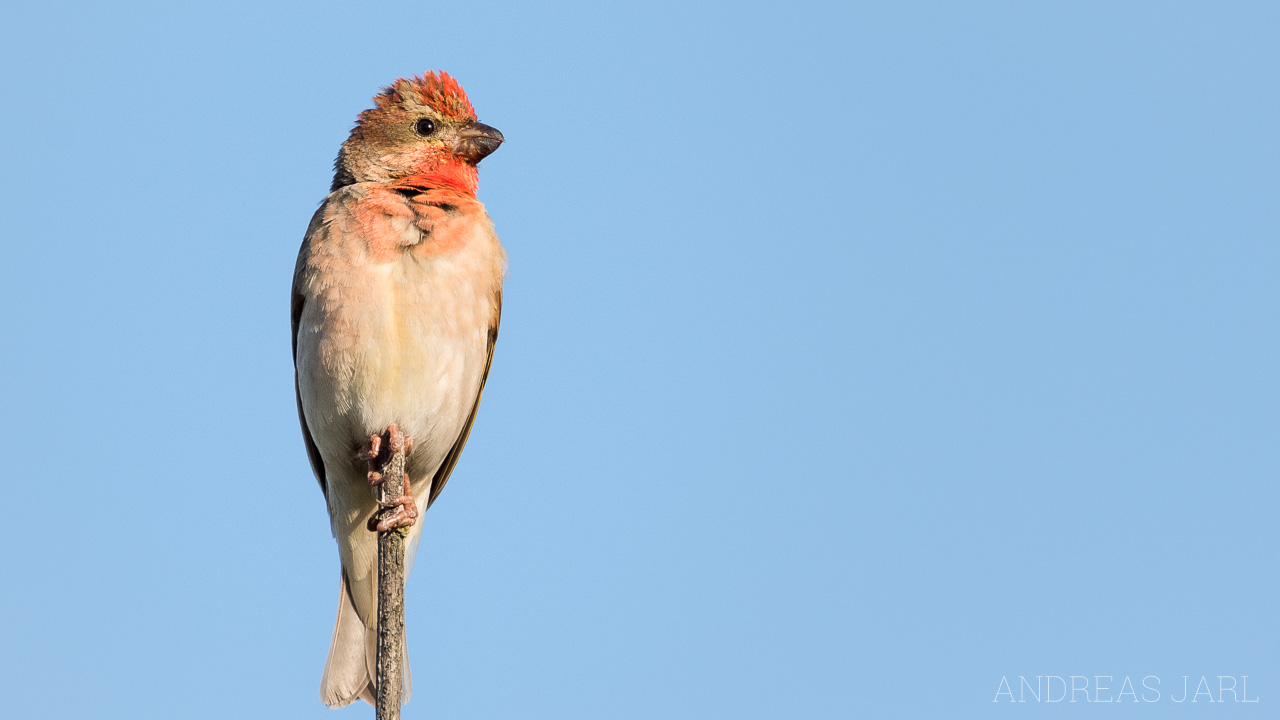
{"x": 396, "y": 299}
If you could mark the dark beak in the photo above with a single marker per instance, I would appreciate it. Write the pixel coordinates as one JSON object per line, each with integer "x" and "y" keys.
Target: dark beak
{"x": 476, "y": 141}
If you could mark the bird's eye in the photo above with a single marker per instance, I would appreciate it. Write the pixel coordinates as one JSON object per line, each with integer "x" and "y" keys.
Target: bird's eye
{"x": 424, "y": 127}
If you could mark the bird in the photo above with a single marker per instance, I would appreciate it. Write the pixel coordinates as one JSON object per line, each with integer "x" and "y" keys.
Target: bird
{"x": 396, "y": 301}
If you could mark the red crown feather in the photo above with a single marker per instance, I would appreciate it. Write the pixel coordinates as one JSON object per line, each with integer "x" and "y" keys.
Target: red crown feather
{"x": 437, "y": 90}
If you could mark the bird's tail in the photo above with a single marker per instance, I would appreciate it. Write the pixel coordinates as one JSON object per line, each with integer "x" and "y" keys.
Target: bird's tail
{"x": 350, "y": 671}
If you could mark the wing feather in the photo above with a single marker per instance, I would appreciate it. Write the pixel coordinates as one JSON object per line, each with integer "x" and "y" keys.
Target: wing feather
{"x": 295, "y": 312}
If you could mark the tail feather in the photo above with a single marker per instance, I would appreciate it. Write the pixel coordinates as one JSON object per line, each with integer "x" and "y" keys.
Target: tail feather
{"x": 351, "y": 669}
{"x": 346, "y": 675}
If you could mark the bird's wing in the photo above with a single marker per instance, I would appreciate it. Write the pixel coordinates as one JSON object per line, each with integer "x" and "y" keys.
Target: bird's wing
{"x": 451, "y": 459}
{"x": 296, "y": 305}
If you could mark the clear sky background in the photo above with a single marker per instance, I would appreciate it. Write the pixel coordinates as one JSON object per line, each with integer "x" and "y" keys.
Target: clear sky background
{"x": 853, "y": 357}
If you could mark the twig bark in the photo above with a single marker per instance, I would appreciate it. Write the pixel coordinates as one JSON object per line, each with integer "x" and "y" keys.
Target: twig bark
{"x": 390, "y": 670}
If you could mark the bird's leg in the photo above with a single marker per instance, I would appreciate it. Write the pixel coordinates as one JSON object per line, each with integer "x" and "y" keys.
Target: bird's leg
{"x": 379, "y": 455}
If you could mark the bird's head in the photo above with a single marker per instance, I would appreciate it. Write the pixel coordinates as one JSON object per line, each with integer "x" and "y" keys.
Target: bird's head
{"x": 421, "y": 132}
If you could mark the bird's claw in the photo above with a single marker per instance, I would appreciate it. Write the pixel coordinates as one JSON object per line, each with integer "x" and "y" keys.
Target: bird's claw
{"x": 405, "y": 517}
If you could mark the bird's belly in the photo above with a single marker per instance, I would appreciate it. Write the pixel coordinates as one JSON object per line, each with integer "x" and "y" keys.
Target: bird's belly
{"x": 407, "y": 344}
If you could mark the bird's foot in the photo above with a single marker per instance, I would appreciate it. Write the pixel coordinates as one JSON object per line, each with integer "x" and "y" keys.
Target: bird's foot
{"x": 379, "y": 449}
{"x": 405, "y": 517}
{"x": 370, "y": 455}
{"x": 379, "y": 454}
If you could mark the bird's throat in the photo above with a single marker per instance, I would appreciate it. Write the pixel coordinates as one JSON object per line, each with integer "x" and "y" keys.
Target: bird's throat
{"x": 455, "y": 175}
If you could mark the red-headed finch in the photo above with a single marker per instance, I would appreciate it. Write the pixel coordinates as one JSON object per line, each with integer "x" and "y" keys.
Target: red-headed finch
{"x": 396, "y": 299}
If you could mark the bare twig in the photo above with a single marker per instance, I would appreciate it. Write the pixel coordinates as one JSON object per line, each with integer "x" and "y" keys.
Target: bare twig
{"x": 390, "y": 670}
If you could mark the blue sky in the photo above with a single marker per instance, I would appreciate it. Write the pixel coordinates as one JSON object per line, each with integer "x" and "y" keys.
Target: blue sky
{"x": 853, "y": 358}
